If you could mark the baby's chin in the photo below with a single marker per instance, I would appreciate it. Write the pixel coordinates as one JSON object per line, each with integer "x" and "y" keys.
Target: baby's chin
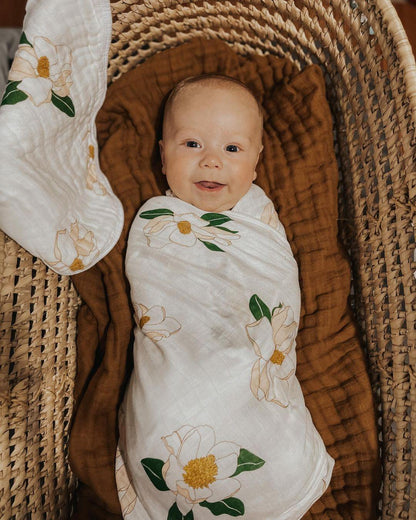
{"x": 209, "y": 206}
{"x": 212, "y": 207}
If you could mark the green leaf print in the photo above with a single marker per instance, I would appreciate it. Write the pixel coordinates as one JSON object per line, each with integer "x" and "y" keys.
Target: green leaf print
{"x": 64, "y": 104}
{"x": 153, "y": 469}
{"x": 229, "y": 506}
{"x": 12, "y": 94}
{"x": 215, "y": 219}
{"x": 278, "y": 307}
{"x": 224, "y": 229}
{"x": 247, "y": 461}
{"x": 211, "y": 246}
{"x": 23, "y": 40}
{"x": 153, "y": 213}
{"x": 258, "y": 308}
{"x": 175, "y": 514}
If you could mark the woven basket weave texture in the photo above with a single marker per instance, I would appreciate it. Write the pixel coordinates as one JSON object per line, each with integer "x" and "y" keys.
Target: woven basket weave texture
{"x": 371, "y": 82}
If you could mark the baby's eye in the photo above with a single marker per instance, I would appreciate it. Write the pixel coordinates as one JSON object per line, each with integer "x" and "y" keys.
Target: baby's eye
{"x": 232, "y": 148}
{"x": 192, "y": 144}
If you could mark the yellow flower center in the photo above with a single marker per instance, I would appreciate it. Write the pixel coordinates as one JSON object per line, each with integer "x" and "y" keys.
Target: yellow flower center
{"x": 91, "y": 152}
{"x": 277, "y": 357}
{"x": 199, "y": 473}
{"x": 76, "y": 265}
{"x": 143, "y": 321}
{"x": 184, "y": 227}
{"x": 43, "y": 67}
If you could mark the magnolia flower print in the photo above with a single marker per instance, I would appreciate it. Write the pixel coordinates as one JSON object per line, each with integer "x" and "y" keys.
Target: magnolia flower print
{"x": 154, "y": 322}
{"x": 200, "y": 472}
{"x": 187, "y": 229}
{"x": 273, "y": 338}
{"x": 126, "y": 493}
{"x": 92, "y": 181}
{"x": 75, "y": 247}
{"x": 269, "y": 216}
{"x": 41, "y": 71}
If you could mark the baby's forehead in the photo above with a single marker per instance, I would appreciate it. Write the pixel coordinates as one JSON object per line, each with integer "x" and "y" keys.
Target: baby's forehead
{"x": 214, "y": 88}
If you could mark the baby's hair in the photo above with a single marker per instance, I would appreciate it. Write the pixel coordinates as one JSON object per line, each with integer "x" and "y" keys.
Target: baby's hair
{"x": 213, "y": 79}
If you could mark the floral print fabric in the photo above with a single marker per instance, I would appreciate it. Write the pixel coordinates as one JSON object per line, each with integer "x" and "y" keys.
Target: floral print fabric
{"x": 185, "y": 229}
{"x": 214, "y": 421}
{"x": 57, "y": 203}
{"x": 201, "y": 471}
{"x": 41, "y": 72}
{"x": 75, "y": 247}
{"x": 154, "y": 323}
{"x": 273, "y": 338}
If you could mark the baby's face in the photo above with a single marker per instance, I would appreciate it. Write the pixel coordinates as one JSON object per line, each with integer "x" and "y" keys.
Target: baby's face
{"x": 211, "y": 145}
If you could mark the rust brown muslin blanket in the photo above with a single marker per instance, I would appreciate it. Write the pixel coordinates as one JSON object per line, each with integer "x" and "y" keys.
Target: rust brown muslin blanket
{"x": 298, "y": 172}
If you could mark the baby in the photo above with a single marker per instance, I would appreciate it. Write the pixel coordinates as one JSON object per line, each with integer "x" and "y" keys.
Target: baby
{"x": 212, "y": 139}
{"x": 214, "y": 421}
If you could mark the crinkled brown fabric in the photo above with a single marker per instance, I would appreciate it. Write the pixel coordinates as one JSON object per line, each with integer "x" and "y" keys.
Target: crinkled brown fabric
{"x": 298, "y": 171}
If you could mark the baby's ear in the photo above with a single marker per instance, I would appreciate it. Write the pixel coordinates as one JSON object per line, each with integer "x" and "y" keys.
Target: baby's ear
{"x": 162, "y": 155}
{"x": 258, "y": 156}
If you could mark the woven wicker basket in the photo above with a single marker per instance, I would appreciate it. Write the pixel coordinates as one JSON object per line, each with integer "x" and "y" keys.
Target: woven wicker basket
{"x": 371, "y": 80}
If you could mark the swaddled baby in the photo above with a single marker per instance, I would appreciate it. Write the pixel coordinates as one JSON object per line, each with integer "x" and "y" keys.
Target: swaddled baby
{"x": 214, "y": 421}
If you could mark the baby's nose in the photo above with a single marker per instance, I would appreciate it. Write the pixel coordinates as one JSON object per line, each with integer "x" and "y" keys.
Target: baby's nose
{"x": 210, "y": 160}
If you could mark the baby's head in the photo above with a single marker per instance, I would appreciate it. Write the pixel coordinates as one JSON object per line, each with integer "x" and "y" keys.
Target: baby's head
{"x": 212, "y": 139}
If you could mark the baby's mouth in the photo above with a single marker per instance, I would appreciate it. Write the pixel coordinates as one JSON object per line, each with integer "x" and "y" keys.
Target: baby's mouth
{"x": 209, "y": 185}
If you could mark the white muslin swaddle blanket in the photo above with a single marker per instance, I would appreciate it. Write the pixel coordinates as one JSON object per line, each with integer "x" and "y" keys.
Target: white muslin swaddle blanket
{"x": 54, "y": 199}
{"x": 214, "y": 420}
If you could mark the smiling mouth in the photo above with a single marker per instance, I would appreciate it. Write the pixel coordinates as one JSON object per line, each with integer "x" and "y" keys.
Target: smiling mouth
{"x": 209, "y": 185}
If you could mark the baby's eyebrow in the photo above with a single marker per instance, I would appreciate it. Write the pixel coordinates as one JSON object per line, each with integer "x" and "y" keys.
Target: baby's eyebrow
{"x": 240, "y": 140}
{"x": 186, "y": 132}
